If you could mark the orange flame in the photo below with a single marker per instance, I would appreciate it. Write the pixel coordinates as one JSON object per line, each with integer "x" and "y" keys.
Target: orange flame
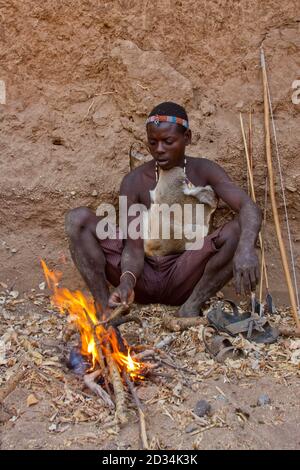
{"x": 83, "y": 313}
{"x": 132, "y": 367}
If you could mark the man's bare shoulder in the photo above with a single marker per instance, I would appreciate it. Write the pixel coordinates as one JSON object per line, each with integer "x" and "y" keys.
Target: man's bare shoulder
{"x": 137, "y": 178}
{"x": 204, "y": 163}
{"x": 201, "y": 170}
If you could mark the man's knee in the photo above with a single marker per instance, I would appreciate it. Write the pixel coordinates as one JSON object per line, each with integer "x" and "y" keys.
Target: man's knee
{"x": 76, "y": 220}
{"x": 235, "y": 229}
{"x": 230, "y": 234}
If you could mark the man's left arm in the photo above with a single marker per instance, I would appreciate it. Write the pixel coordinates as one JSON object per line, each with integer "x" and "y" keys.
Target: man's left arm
{"x": 245, "y": 262}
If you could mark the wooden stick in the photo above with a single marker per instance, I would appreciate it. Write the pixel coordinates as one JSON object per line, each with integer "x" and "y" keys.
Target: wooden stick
{"x": 126, "y": 319}
{"x": 139, "y": 406}
{"x": 89, "y": 380}
{"x": 289, "y": 332}
{"x": 118, "y": 312}
{"x": 180, "y": 324}
{"x": 176, "y": 367}
{"x": 263, "y": 268}
{"x": 166, "y": 341}
{"x": 263, "y": 232}
{"x": 153, "y": 374}
{"x": 253, "y": 191}
{"x": 11, "y": 383}
{"x": 144, "y": 354}
{"x": 273, "y": 196}
{"x": 100, "y": 356}
{"x": 250, "y": 140}
{"x": 119, "y": 391}
{"x": 261, "y": 281}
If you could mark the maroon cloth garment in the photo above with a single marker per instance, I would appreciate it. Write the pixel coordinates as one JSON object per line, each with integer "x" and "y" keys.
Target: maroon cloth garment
{"x": 166, "y": 279}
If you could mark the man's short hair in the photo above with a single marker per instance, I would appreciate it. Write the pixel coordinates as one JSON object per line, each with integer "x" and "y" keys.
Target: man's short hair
{"x": 168, "y": 108}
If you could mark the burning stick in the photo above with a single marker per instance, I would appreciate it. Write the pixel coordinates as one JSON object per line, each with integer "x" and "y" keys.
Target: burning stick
{"x": 118, "y": 389}
{"x": 100, "y": 357}
{"x": 89, "y": 380}
{"x": 140, "y": 411}
{"x": 119, "y": 317}
{"x": 117, "y": 313}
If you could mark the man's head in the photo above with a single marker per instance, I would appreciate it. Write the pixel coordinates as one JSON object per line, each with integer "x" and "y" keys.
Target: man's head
{"x": 168, "y": 134}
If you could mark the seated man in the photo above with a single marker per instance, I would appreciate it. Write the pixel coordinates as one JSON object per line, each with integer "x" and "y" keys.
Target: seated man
{"x": 185, "y": 279}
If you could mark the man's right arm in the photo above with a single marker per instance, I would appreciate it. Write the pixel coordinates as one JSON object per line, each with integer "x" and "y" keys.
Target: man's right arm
{"x": 132, "y": 260}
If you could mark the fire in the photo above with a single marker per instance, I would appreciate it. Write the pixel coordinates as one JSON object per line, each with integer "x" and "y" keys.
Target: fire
{"x": 132, "y": 367}
{"x": 95, "y": 338}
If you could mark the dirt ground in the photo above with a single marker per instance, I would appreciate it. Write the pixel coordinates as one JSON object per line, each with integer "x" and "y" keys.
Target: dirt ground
{"x": 50, "y": 408}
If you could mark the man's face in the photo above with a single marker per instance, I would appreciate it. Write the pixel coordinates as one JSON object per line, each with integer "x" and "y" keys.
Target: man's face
{"x": 167, "y": 144}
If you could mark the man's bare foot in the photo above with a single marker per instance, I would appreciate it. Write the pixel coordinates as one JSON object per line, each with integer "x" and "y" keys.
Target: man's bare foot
{"x": 188, "y": 310}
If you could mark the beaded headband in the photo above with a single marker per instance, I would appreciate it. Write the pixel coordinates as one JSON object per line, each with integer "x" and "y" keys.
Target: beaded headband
{"x": 173, "y": 119}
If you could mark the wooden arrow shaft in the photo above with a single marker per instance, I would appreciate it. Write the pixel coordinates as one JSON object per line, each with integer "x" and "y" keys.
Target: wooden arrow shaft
{"x": 252, "y": 193}
{"x": 273, "y": 197}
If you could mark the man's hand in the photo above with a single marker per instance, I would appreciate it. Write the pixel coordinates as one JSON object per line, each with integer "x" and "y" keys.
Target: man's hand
{"x": 122, "y": 295}
{"x": 245, "y": 270}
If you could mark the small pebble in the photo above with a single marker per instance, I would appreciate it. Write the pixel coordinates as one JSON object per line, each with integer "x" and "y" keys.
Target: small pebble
{"x": 221, "y": 398}
{"x": 14, "y": 294}
{"x": 263, "y": 399}
{"x": 202, "y": 408}
{"x": 14, "y": 250}
{"x": 73, "y": 193}
{"x": 52, "y": 427}
{"x": 94, "y": 193}
{"x": 191, "y": 427}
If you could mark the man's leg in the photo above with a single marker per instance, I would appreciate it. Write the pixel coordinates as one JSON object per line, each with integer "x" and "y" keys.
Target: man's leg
{"x": 80, "y": 226}
{"x": 218, "y": 271}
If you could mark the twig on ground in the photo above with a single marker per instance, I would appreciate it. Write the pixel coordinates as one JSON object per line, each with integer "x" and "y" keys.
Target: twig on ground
{"x": 180, "y": 324}
{"x": 175, "y": 366}
{"x": 289, "y": 332}
{"x": 127, "y": 319}
{"x": 89, "y": 380}
{"x": 165, "y": 342}
{"x": 12, "y": 382}
{"x": 139, "y": 406}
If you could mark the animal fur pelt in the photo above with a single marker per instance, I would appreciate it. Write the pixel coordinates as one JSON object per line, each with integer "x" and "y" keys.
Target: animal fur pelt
{"x": 173, "y": 188}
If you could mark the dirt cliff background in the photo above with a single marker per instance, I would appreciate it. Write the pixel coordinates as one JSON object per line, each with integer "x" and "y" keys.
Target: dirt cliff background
{"x": 81, "y": 77}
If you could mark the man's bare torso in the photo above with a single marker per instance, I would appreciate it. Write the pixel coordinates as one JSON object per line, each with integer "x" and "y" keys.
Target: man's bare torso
{"x": 143, "y": 178}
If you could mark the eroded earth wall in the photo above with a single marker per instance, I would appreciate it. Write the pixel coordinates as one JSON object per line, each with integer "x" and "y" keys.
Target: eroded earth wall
{"x": 80, "y": 78}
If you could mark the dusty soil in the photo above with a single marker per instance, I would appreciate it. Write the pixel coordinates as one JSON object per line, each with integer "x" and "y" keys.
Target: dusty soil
{"x": 51, "y": 409}
{"x": 81, "y": 77}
